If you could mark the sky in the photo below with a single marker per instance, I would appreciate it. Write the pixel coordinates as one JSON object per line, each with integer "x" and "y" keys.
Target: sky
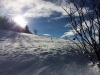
{"x": 47, "y": 16}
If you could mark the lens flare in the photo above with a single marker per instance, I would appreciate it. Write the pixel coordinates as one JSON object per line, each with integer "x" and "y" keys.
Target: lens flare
{"x": 20, "y": 21}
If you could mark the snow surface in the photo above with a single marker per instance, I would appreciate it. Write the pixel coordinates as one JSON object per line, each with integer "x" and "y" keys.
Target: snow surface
{"x": 27, "y": 54}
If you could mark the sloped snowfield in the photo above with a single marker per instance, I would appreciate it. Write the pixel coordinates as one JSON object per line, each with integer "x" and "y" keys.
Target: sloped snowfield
{"x": 26, "y": 54}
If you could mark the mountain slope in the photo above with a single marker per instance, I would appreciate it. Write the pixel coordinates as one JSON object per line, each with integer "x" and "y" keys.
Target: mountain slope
{"x": 26, "y": 54}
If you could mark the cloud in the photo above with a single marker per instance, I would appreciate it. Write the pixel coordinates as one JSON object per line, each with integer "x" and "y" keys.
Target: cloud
{"x": 62, "y": 16}
{"x": 35, "y": 8}
{"x": 46, "y": 34}
{"x": 73, "y": 32}
{"x": 67, "y": 25}
{"x": 84, "y": 10}
{"x": 57, "y": 2}
{"x": 30, "y": 8}
{"x": 67, "y": 34}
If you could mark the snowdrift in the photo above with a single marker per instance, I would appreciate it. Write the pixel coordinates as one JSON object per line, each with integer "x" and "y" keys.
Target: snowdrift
{"x": 27, "y": 54}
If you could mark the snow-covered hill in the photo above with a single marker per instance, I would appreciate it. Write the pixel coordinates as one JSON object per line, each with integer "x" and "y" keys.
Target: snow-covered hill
{"x": 27, "y": 54}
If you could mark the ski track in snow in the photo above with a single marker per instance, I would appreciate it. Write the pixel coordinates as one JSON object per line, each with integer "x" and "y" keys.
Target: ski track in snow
{"x": 26, "y": 54}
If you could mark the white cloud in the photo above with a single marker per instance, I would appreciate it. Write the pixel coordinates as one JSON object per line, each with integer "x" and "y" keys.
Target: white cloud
{"x": 35, "y": 8}
{"x": 67, "y": 25}
{"x": 73, "y": 32}
{"x": 46, "y": 34}
{"x": 67, "y": 34}
{"x": 56, "y": 18}
{"x": 84, "y": 10}
{"x": 30, "y": 8}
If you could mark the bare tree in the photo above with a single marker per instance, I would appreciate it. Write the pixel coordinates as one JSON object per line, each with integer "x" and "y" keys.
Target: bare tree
{"x": 85, "y": 23}
{"x": 35, "y": 31}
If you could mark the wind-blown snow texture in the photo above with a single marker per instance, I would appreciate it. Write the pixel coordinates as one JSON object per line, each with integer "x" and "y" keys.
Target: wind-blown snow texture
{"x": 26, "y": 54}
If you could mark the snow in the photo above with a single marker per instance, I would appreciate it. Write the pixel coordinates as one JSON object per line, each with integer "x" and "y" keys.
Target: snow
{"x": 29, "y": 54}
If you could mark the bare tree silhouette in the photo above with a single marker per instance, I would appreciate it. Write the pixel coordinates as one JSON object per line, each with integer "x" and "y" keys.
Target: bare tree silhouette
{"x": 85, "y": 23}
{"x": 35, "y": 31}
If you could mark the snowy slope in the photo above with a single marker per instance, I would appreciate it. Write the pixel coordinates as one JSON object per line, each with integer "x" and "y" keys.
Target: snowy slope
{"x": 26, "y": 54}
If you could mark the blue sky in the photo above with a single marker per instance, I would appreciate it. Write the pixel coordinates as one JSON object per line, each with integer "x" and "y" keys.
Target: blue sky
{"x": 44, "y": 15}
{"x": 47, "y": 16}
{"x": 45, "y": 25}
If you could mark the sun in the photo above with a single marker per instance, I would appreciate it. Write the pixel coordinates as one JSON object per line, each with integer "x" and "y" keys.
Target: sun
{"x": 20, "y": 20}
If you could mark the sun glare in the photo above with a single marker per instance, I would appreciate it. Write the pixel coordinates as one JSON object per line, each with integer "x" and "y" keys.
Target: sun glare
{"x": 20, "y": 21}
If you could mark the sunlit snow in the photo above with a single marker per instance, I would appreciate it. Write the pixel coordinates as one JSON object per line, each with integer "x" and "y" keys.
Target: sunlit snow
{"x": 29, "y": 54}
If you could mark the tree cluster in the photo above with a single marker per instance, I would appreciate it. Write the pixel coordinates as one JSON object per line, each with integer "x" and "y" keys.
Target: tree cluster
{"x": 9, "y": 24}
